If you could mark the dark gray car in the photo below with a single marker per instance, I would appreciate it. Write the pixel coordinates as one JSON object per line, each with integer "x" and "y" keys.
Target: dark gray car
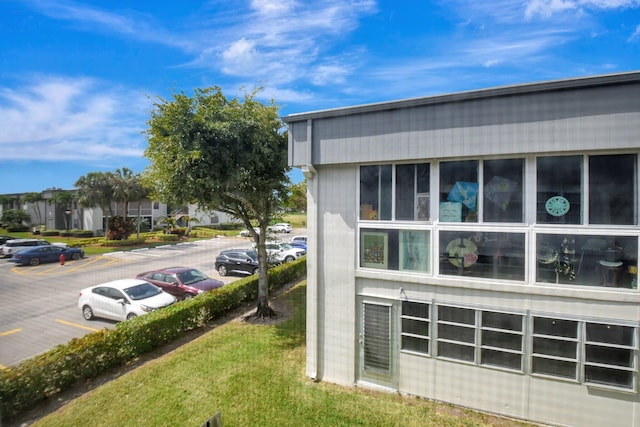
{"x": 240, "y": 261}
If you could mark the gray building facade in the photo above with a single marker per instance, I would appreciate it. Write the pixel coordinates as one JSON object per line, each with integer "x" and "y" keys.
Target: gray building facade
{"x": 480, "y": 248}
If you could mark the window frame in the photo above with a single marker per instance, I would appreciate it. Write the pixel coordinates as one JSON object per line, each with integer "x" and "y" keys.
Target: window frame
{"x": 412, "y": 335}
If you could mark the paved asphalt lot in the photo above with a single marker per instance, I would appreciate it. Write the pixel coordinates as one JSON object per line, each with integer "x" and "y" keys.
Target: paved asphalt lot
{"x": 38, "y": 304}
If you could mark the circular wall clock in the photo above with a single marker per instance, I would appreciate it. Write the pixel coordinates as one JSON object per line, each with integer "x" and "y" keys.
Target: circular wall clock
{"x": 557, "y": 206}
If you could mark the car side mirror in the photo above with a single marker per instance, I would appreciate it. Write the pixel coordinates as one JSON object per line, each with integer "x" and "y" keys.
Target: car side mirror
{"x": 121, "y": 301}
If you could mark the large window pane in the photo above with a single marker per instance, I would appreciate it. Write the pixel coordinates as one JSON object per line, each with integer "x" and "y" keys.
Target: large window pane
{"x": 375, "y": 192}
{"x": 612, "y": 189}
{"x": 559, "y": 193}
{"x": 587, "y": 260}
{"x": 412, "y": 192}
{"x": 459, "y": 191}
{"x": 483, "y": 254}
{"x": 391, "y": 249}
{"x": 503, "y": 195}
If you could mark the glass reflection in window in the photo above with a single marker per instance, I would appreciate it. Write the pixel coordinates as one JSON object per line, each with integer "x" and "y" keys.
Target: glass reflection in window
{"x": 559, "y": 194}
{"x": 612, "y": 189}
{"x": 610, "y": 261}
{"x": 503, "y": 194}
{"x": 375, "y": 192}
{"x": 482, "y": 254}
{"x": 459, "y": 191}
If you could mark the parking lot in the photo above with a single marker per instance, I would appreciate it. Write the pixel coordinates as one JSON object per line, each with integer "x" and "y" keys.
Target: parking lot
{"x": 38, "y": 304}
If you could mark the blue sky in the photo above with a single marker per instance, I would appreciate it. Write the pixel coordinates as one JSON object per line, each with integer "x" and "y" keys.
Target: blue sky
{"x": 77, "y": 78}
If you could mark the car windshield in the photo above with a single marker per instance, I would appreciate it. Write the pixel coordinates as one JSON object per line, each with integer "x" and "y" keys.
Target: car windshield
{"x": 142, "y": 291}
{"x": 192, "y": 276}
{"x": 253, "y": 255}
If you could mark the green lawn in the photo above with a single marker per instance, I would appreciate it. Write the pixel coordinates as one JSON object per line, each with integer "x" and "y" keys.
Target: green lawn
{"x": 253, "y": 375}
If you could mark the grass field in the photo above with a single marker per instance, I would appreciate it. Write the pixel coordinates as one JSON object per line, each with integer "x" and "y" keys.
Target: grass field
{"x": 253, "y": 374}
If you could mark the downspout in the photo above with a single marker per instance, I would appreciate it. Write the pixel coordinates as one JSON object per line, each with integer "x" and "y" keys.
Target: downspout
{"x": 314, "y": 314}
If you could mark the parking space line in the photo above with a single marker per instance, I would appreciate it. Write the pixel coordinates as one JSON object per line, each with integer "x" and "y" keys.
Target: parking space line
{"x": 95, "y": 261}
{"x": 77, "y": 325}
{"x": 13, "y": 331}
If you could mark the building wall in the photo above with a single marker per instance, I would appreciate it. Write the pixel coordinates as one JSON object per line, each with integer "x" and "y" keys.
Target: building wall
{"x": 581, "y": 117}
{"x": 335, "y": 234}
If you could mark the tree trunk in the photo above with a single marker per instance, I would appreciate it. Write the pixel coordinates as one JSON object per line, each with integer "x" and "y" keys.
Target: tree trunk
{"x": 263, "y": 311}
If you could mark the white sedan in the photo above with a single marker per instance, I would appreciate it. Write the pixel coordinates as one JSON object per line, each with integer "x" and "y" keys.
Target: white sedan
{"x": 281, "y": 227}
{"x": 122, "y": 299}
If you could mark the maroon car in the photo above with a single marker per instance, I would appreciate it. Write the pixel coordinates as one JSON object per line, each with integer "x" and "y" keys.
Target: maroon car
{"x": 181, "y": 282}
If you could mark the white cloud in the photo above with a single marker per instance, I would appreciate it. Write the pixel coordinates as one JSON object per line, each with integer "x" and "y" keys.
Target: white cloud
{"x": 70, "y": 119}
{"x": 125, "y": 23}
{"x": 547, "y": 8}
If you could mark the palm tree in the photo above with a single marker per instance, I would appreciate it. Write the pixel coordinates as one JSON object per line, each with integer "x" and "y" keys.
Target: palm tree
{"x": 189, "y": 220}
{"x": 64, "y": 199}
{"x": 96, "y": 189}
{"x": 127, "y": 188}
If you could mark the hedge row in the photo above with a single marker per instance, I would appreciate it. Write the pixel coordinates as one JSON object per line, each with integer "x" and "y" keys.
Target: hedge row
{"x": 47, "y": 374}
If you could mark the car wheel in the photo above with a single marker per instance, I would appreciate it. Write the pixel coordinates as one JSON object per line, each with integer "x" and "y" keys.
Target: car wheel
{"x": 87, "y": 313}
{"x": 131, "y": 316}
{"x": 256, "y": 270}
{"x": 34, "y": 261}
{"x": 75, "y": 256}
{"x": 222, "y": 270}
{"x": 289, "y": 258}
{"x": 188, "y": 296}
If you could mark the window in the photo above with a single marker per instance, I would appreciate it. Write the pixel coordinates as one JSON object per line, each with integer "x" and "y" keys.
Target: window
{"x": 592, "y": 260}
{"x": 459, "y": 191}
{"x": 610, "y": 355}
{"x": 483, "y": 254}
{"x": 503, "y": 190}
{"x": 555, "y": 347}
{"x": 409, "y": 194}
{"x": 502, "y": 340}
{"x": 456, "y": 333}
{"x": 391, "y": 249}
{"x": 375, "y": 192}
{"x": 610, "y": 352}
{"x": 412, "y": 192}
{"x": 612, "y": 189}
{"x": 415, "y": 327}
{"x": 559, "y": 194}
{"x": 483, "y": 337}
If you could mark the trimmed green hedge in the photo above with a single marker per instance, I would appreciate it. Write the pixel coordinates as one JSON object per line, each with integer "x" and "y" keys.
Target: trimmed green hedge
{"x": 47, "y": 374}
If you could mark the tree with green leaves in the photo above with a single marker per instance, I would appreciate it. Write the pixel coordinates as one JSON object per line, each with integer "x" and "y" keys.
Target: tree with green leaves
{"x": 96, "y": 189}
{"x": 297, "y": 199}
{"x": 64, "y": 199}
{"x": 222, "y": 154}
{"x": 15, "y": 219}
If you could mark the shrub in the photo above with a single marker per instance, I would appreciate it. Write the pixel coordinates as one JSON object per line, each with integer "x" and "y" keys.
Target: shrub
{"x": 82, "y": 233}
{"x": 168, "y": 237}
{"x": 50, "y": 232}
{"x": 47, "y": 374}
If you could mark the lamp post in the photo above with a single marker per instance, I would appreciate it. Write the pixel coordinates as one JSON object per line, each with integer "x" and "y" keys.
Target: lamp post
{"x": 68, "y": 212}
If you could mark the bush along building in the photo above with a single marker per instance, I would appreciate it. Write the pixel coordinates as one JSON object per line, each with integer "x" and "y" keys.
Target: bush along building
{"x": 479, "y": 248}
